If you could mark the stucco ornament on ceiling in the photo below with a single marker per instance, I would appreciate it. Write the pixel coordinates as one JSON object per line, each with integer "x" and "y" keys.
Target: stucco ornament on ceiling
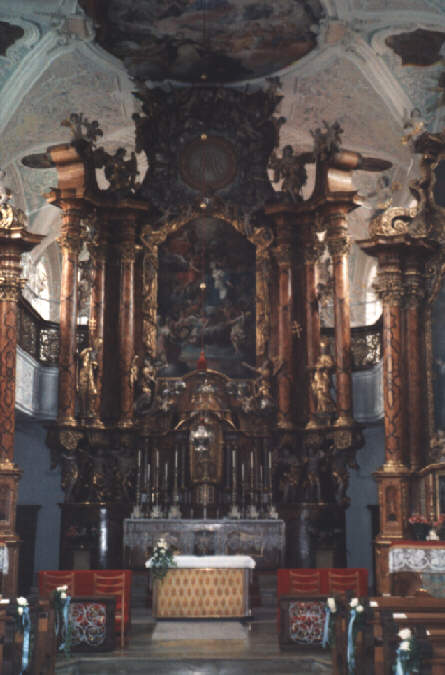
{"x": 223, "y": 39}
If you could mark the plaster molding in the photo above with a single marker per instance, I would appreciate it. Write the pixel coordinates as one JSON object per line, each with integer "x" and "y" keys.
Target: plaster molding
{"x": 39, "y": 60}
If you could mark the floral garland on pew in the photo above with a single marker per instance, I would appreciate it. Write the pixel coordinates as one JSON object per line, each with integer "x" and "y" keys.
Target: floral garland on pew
{"x": 23, "y": 621}
{"x": 407, "y": 654}
{"x": 161, "y": 560}
{"x": 356, "y": 622}
{"x": 328, "y": 630}
{"x": 61, "y": 602}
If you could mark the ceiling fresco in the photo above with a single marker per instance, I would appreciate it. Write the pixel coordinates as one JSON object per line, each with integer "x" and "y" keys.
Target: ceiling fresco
{"x": 223, "y": 40}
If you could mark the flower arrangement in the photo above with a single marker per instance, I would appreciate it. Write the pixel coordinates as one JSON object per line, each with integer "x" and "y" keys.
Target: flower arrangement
{"x": 416, "y": 518}
{"x": 407, "y": 654}
{"x": 61, "y": 601}
{"x": 161, "y": 560}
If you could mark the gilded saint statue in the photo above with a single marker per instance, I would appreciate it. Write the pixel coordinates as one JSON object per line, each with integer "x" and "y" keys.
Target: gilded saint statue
{"x": 321, "y": 384}
{"x": 86, "y": 383}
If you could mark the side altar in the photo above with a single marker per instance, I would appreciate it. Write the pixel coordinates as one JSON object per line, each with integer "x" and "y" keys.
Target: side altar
{"x": 262, "y": 540}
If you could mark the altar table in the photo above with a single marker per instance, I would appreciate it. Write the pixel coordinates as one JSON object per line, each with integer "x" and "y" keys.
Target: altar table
{"x": 204, "y": 587}
{"x": 262, "y": 540}
{"x": 417, "y": 566}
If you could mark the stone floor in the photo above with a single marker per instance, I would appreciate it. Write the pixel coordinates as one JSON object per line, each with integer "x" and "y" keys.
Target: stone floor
{"x": 256, "y": 652}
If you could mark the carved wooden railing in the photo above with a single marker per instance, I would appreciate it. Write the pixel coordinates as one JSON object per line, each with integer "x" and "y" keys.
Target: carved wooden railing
{"x": 366, "y": 344}
{"x": 40, "y": 338}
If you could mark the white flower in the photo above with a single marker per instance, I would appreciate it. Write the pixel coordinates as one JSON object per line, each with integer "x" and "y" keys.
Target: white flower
{"x": 63, "y": 595}
{"x": 353, "y": 603}
{"x": 405, "y": 634}
{"x": 359, "y": 609}
{"x": 331, "y": 604}
{"x": 60, "y": 589}
{"x": 148, "y": 563}
{"x": 405, "y": 646}
{"x": 22, "y": 602}
{"x": 20, "y": 610}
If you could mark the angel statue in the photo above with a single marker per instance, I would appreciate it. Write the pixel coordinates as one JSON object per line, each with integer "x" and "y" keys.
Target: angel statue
{"x": 120, "y": 172}
{"x": 268, "y": 369}
{"x": 290, "y": 168}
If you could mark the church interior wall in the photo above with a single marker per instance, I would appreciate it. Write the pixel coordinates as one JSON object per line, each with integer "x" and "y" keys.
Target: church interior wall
{"x": 39, "y": 485}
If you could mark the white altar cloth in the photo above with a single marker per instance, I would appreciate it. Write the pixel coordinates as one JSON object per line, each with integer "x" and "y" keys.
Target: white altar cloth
{"x": 212, "y": 561}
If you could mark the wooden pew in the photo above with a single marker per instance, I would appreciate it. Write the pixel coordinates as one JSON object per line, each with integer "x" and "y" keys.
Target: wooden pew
{"x": 43, "y": 657}
{"x": 424, "y": 615}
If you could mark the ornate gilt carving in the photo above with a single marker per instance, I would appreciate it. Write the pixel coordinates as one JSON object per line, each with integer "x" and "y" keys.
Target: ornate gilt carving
{"x": 339, "y": 245}
{"x": 394, "y": 221}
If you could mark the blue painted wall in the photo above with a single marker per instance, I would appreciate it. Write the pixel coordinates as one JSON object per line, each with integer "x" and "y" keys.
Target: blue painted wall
{"x": 39, "y": 485}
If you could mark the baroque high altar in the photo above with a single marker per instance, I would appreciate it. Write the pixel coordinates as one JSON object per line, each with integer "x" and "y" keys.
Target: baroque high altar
{"x": 205, "y": 387}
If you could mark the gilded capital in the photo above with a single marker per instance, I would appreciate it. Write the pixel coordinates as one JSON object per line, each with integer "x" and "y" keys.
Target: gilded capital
{"x": 339, "y": 245}
{"x": 127, "y": 251}
{"x": 70, "y": 241}
{"x": 390, "y": 288}
{"x": 10, "y": 288}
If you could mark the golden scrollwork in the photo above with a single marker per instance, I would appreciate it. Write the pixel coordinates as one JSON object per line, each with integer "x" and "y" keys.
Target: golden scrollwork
{"x": 262, "y": 240}
{"x": 392, "y": 222}
{"x": 150, "y": 299}
{"x": 11, "y": 217}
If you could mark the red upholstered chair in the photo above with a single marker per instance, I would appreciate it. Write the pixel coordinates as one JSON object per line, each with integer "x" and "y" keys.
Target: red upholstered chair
{"x": 304, "y": 581}
{"x": 342, "y": 580}
{"x": 49, "y": 580}
{"x": 117, "y": 583}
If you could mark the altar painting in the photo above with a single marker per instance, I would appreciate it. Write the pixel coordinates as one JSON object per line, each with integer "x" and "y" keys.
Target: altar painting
{"x": 222, "y": 315}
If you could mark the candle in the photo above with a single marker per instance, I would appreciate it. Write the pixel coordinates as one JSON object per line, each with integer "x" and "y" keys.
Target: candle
{"x": 166, "y": 471}
{"x": 270, "y": 459}
{"x": 148, "y": 473}
{"x": 139, "y": 459}
{"x": 251, "y": 459}
{"x": 233, "y": 458}
{"x": 157, "y": 458}
{"x": 261, "y": 475}
{"x": 242, "y": 471}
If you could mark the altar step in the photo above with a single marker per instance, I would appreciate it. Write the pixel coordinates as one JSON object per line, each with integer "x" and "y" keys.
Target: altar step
{"x": 129, "y": 666}
{"x": 256, "y": 652}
